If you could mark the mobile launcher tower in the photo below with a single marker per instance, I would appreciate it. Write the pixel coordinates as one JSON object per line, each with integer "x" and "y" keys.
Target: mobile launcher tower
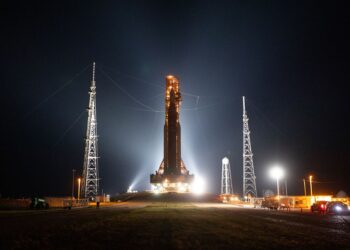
{"x": 172, "y": 175}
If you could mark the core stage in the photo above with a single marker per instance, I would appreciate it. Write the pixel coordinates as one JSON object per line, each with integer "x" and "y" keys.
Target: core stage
{"x": 172, "y": 175}
{"x": 172, "y": 183}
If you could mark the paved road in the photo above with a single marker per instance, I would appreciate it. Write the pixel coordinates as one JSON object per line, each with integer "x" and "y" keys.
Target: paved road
{"x": 146, "y": 225}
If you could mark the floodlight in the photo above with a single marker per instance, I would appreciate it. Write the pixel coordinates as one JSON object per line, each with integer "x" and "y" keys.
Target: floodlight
{"x": 198, "y": 186}
{"x": 225, "y": 161}
{"x": 276, "y": 172}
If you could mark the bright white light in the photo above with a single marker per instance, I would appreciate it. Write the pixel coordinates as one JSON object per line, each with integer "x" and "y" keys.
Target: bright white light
{"x": 225, "y": 161}
{"x": 276, "y": 172}
{"x": 181, "y": 187}
{"x": 338, "y": 208}
{"x": 198, "y": 186}
{"x": 156, "y": 188}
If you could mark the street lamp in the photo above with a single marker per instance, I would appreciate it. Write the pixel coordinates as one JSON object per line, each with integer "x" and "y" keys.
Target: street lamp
{"x": 79, "y": 180}
{"x": 277, "y": 173}
{"x": 73, "y": 170}
{"x": 310, "y": 178}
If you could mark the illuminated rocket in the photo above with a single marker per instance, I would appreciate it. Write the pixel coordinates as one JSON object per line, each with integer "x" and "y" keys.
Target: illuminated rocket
{"x": 172, "y": 174}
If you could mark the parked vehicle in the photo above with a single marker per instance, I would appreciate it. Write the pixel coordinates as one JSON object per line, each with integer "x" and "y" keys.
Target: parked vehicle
{"x": 38, "y": 203}
{"x": 336, "y": 207}
{"x": 319, "y": 206}
{"x": 270, "y": 204}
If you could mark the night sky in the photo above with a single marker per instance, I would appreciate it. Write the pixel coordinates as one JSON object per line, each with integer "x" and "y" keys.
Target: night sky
{"x": 290, "y": 60}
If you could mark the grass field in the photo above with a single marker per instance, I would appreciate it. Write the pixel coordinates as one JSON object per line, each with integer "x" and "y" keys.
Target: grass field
{"x": 160, "y": 225}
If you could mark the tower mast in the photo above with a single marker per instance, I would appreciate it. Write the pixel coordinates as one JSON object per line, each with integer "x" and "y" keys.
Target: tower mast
{"x": 90, "y": 184}
{"x": 249, "y": 184}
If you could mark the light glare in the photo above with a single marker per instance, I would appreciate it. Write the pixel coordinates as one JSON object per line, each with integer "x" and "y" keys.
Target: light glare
{"x": 225, "y": 161}
{"x": 198, "y": 186}
{"x": 276, "y": 172}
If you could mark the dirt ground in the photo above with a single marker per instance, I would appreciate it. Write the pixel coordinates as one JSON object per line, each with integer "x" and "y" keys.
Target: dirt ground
{"x": 172, "y": 225}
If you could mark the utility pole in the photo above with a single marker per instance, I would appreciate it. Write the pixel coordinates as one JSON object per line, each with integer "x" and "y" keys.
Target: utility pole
{"x": 278, "y": 189}
{"x": 73, "y": 184}
{"x": 79, "y": 180}
{"x": 304, "y": 187}
{"x": 285, "y": 183}
{"x": 310, "y": 177}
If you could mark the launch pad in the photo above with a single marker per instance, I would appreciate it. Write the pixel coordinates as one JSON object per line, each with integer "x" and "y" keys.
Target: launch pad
{"x": 172, "y": 175}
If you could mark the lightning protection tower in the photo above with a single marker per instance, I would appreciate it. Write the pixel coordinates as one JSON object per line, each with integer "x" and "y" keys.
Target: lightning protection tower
{"x": 226, "y": 180}
{"x": 90, "y": 184}
{"x": 249, "y": 184}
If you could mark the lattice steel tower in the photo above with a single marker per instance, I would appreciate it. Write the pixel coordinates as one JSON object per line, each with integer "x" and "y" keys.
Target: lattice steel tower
{"x": 90, "y": 184}
{"x": 249, "y": 184}
{"x": 226, "y": 180}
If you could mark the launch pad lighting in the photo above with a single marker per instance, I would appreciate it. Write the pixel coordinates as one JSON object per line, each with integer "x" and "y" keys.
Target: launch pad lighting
{"x": 198, "y": 186}
{"x": 276, "y": 172}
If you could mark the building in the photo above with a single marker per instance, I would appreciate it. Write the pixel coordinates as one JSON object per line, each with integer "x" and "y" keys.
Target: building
{"x": 298, "y": 201}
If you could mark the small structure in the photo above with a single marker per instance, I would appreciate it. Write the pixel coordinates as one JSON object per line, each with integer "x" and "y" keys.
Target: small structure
{"x": 226, "y": 180}
{"x": 345, "y": 200}
{"x": 230, "y": 198}
{"x": 69, "y": 203}
{"x": 299, "y": 201}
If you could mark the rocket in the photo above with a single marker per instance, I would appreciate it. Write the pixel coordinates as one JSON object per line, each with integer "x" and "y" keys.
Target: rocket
{"x": 172, "y": 171}
{"x": 172, "y": 128}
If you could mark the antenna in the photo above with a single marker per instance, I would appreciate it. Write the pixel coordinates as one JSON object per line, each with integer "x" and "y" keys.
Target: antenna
{"x": 93, "y": 82}
{"x": 244, "y": 112}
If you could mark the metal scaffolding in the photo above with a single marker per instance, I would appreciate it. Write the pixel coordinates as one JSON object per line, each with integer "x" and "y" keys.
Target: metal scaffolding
{"x": 226, "y": 180}
{"x": 90, "y": 184}
{"x": 249, "y": 183}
